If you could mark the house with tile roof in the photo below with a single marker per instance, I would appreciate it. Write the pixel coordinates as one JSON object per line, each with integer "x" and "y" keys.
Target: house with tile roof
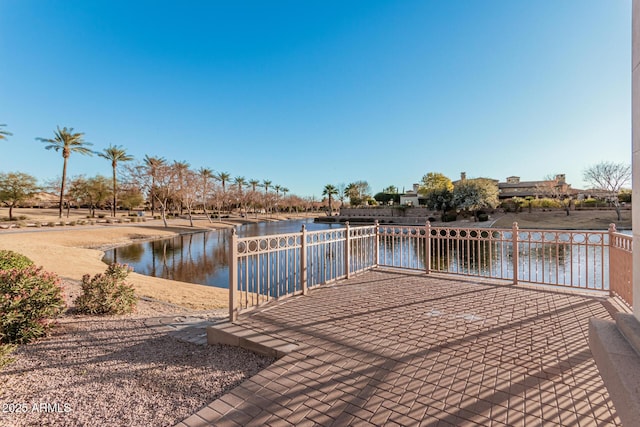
{"x": 513, "y": 187}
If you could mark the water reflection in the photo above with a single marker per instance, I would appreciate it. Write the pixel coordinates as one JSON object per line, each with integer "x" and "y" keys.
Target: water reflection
{"x": 197, "y": 258}
{"x": 571, "y": 258}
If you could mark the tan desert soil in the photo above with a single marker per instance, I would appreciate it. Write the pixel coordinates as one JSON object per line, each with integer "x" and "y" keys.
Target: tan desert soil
{"x": 115, "y": 371}
{"x": 73, "y": 252}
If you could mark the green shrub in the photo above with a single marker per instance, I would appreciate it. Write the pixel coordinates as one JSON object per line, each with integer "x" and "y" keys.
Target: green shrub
{"x": 449, "y": 216}
{"x": 589, "y": 203}
{"x": 107, "y": 293}
{"x": 10, "y": 259}
{"x": 5, "y": 351}
{"x": 483, "y": 217}
{"x": 29, "y": 298}
{"x": 546, "y": 203}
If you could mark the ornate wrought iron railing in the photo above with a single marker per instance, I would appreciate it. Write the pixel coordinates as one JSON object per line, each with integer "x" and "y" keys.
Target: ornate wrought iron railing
{"x": 271, "y": 267}
{"x": 621, "y": 265}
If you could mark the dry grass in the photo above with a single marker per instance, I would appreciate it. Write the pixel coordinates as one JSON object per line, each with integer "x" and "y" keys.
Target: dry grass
{"x": 558, "y": 220}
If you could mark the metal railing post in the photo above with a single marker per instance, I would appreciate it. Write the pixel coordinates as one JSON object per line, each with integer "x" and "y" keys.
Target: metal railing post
{"x": 377, "y": 243}
{"x": 347, "y": 250}
{"x": 233, "y": 277}
{"x": 427, "y": 248}
{"x": 303, "y": 260}
{"x": 612, "y": 229}
{"x": 514, "y": 238}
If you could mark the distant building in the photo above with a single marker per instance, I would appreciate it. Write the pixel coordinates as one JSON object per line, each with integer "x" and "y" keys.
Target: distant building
{"x": 513, "y": 187}
{"x": 411, "y": 197}
{"x": 463, "y": 178}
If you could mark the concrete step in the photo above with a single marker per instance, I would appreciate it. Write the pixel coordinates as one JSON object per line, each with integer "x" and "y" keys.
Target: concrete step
{"x": 237, "y": 335}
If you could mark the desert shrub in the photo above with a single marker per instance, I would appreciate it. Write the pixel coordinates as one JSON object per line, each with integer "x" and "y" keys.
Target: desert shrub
{"x": 5, "y": 351}
{"x": 589, "y": 203}
{"x": 100, "y": 216}
{"x": 52, "y": 224}
{"x": 449, "y": 216}
{"x": 107, "y": 293}
{"x": 624, "y": 197}
{"x": 29, "y": 298}
{"x": 546, "y": 203}
{"x": 10, "y": 259}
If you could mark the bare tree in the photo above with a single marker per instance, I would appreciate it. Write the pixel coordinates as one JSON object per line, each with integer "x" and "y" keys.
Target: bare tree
{"x": 159, "y": 180}
{"x": 609, "y": 177}
{"x": 205, "y": 175}
{"x": 188, "y": 191}
{"x": 151, "y": 163}
{"x": 556, "y": 188}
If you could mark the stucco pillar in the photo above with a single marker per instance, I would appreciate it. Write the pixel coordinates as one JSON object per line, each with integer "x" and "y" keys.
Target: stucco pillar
{"x": 635, "y": 140}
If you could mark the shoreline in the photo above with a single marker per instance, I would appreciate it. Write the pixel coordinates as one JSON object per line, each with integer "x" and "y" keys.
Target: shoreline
{"x": 74, "y": 251}
{"x": 582, "y": 220}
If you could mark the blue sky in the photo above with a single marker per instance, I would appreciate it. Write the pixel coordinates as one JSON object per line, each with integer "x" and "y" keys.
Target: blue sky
{"x": 308, "y": 93}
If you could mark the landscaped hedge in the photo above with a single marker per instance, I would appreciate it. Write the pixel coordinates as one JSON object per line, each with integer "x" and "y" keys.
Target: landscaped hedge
{"x": 10, "y": 259}
{"x": 29, "y": 298}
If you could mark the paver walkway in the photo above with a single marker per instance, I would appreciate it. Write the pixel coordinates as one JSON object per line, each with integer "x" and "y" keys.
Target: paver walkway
{"x": 389, "y": 348}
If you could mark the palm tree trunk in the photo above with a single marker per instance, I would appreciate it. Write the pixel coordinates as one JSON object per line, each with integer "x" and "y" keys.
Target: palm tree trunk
{"x": 114, "y": 191}
{"x": 64, "y": 177}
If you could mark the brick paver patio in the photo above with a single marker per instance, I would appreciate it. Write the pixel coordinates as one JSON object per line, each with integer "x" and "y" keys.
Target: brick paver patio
{"x": 389, "y": 348}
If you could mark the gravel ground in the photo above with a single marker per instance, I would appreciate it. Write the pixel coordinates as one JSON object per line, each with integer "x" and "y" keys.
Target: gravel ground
{"x": 96, "y": 371}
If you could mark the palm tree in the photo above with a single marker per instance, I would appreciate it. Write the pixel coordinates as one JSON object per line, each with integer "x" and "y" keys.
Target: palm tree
{"x": 254, "y": 184}
{"x": 284, "y": 195}
{"x": 266, "y": 184}
{"x": 330, "y": 191}
{"x": 277, "y": 188}
{"x": 3, "y": 133}
{"x": 205, "y": 175}
{"x": 181, "y": 168}
{"x": 115, "y": 154}
{"x": 152, "y": 164}
{"x": 223, "y": 177}
{"x": 240, "y": 181}
{"x": 68, "y": 142}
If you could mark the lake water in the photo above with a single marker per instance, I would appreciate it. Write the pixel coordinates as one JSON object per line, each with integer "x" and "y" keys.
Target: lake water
{"x": 200, "y": 258}
{"x": 203, "y": 257}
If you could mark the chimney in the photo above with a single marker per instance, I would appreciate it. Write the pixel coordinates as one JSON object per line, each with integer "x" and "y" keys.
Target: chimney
{"x": 463, "y": 176}
{"x": 415, "y": 187}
